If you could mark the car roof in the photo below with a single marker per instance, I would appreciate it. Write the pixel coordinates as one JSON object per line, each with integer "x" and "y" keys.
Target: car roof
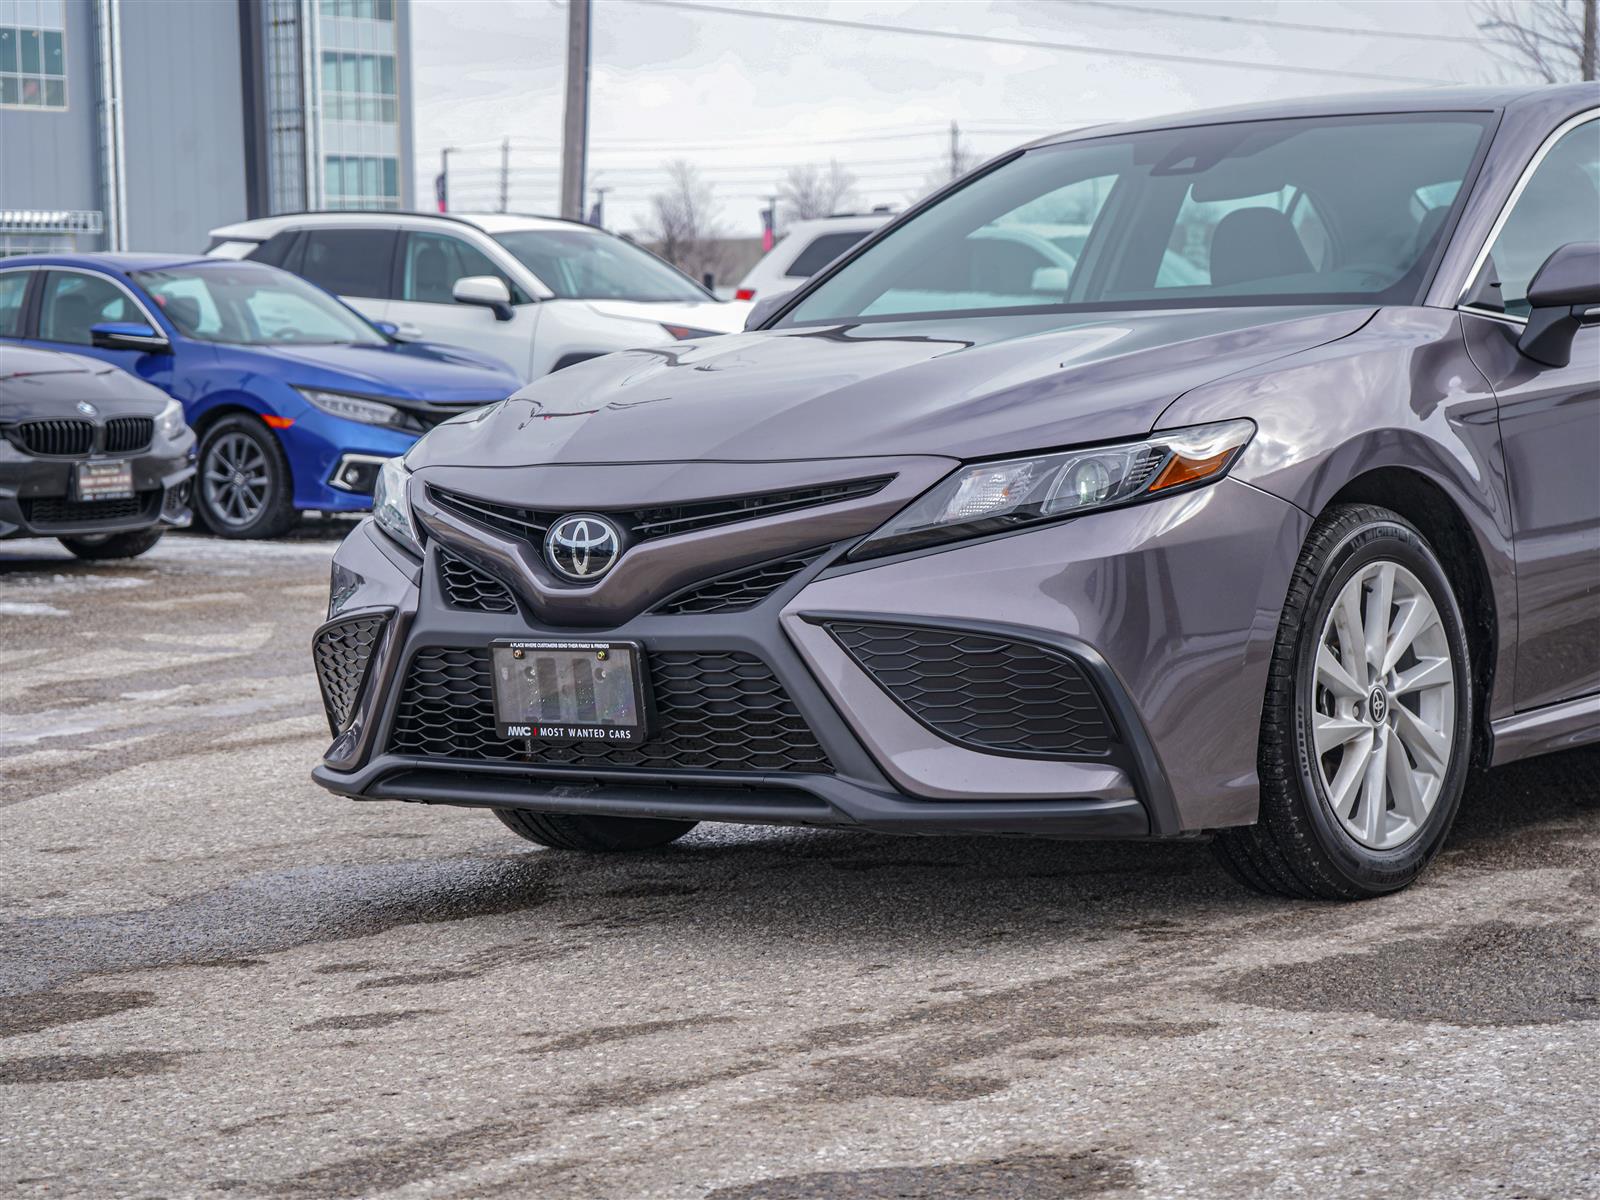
{"x": 1441, "y": 99}
{"x": 108, "y": 261}
{"x": 260, "y": 229}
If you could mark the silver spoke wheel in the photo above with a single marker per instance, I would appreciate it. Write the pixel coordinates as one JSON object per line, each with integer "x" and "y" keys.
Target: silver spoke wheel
{"x": 236, "y": 479}
{"x": 1383, "y": 705}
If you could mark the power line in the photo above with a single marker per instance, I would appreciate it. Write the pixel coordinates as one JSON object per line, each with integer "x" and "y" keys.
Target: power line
{"x": 1039, "y": 44}
{"x": 1268, "y": 23}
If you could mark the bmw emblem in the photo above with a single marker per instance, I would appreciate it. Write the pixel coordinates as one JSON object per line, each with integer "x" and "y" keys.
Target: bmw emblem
{"x": 88, "y": 409}
{"x": 582, "y": 547}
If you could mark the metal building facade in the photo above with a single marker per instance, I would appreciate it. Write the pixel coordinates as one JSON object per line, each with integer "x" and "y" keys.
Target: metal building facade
{"x": 143, "y": 124}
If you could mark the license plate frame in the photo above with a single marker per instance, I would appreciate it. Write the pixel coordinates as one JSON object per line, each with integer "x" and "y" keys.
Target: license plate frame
{"x": 527, "y": 708}
{"x": 103, "y": 479}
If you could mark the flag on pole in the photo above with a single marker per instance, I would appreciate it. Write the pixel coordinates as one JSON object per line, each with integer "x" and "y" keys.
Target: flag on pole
{"x": 766, "y": 229}
{"x": 441, "y": 193}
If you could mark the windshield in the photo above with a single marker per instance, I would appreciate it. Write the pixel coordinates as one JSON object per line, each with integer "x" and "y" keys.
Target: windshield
{"x": 578, "y": 265}
{"x": 248, "y": 304}
{"x": 1318, "y": 211}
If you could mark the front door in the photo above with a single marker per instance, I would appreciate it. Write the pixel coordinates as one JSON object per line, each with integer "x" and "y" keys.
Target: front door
{"x": 71, "y": 303}
{"x": 425, "y": 309}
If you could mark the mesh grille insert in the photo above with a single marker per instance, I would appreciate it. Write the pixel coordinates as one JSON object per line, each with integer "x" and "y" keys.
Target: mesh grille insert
{"x": 713, "y": 712}
{"x": 465, "y": 586}
{"x": 984, "y": 692}
{"x": 341, "y": 653}
{"x": 738, "y": 590}
{"x": 53, "y": 513}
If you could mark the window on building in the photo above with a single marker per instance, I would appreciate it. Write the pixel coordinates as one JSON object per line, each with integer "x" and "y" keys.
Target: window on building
{"x": 367, "y": 10}
{"x": 358, "y": 87}
{"x": 361, "y": 181}
{"x": 33, "y": 63}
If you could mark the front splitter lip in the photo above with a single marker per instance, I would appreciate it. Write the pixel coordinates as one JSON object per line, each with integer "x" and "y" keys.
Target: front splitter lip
{"x": 746, "y": 798}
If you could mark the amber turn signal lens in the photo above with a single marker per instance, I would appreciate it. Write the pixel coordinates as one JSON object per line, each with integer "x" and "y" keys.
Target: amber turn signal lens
{"x": 1180, "y": 470}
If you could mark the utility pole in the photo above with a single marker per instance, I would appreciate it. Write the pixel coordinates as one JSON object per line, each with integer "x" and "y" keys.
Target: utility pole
{"x": 441, "y": 185}
{"x": 597, "y": 218}
{"x": 1587, "y": 64}
{"x": 505, "y": 171}
{"x": 575, "y": 123}
{"x": 955, "y": 150}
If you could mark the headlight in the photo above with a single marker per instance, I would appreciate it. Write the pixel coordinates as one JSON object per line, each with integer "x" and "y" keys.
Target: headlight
{"x": 993, "y": 497}
{"x": 170, "y": 423}
{"x": 391, "y": 509}
{"x": 357, "y": 408}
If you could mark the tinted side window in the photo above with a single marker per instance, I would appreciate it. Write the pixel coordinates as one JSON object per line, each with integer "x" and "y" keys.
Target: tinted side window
{"x": 74, "y": 303}
{"x": 822, "y": 252}
{"x": 273, "y": 250}
{"x": 434, "y": 261}
{"x": 349, "y": 262}
{"x": 13, "y": 287}
{"x": 1559, "y": 205}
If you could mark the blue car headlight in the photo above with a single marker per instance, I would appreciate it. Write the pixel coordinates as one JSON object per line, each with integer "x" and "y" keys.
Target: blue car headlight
{"x": 357, "y": 408}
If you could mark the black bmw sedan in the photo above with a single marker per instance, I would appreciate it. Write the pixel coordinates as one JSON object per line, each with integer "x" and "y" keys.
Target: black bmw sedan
{"x": 89, "y": 455}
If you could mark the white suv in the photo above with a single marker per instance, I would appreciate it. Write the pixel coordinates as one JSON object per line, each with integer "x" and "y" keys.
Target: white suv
{"x": 807, "y": 247}
{"x": 537, "y": 293}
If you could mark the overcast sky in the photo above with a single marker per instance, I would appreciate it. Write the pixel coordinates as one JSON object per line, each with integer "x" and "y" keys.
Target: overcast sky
{"x": 744, "y": 98}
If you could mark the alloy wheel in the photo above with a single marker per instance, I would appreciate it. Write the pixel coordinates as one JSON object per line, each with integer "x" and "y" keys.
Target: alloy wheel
{"x": 1383, "y": 706}
{"x": 236, "y": 479}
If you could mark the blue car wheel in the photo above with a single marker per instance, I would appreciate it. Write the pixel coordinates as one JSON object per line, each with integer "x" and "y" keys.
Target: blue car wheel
{"x": 243, "y": 486}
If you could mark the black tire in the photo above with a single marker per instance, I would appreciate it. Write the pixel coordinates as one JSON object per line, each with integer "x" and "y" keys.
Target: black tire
{"x": 595, "y": 835}
{"x": 276, "y": 514}
{"x": 1298, "y": 847}
{"x": 114, "y": 545}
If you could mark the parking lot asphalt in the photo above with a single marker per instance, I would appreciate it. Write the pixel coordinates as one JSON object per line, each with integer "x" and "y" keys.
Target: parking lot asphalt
{"x": 217, "y": 979}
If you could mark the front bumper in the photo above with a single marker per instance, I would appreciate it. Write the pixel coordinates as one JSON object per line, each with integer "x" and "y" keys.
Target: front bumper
{"x": 36, "y": 495}
{"x": 1168, "y": 608}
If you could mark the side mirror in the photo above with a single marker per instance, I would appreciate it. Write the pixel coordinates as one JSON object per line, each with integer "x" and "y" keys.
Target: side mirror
{"x": 1561, "y": 291}
{"x": 128, "y": 335}
{"x": 1055, "y": 280}
{"x": 388, "y": 328}
{"x": 764, "y": 308}
{"x": 486, "y": 291}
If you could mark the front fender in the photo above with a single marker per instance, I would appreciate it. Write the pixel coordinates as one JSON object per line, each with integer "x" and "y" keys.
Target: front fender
{"x": 1402, "y": 393}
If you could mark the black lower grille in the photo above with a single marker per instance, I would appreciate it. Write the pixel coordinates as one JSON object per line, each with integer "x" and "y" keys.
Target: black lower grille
{"x": 56, "y": 438}
{"x": 465, "y": 586}
{"x": 52, "y": 513}
{"x": 713, "y": 712}
{"x": 128, "y": 435}
{"x": 341, "y": 652}
{"x": 738, "y": 590}
{"x": 988, "y": 693}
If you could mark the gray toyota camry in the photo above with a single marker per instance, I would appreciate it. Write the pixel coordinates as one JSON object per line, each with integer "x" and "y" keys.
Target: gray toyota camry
{"x": 1231, "y": 474}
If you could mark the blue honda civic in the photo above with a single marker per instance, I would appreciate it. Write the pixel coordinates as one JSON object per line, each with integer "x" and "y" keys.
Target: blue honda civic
{"x": 296, "y": 398}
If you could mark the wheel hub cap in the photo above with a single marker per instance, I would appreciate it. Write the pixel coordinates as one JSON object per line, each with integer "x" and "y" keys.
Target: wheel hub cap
{"x": 1382, "y": 706}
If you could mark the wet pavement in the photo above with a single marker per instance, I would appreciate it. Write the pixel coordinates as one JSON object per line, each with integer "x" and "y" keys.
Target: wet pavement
{"x": 217, "y": 979}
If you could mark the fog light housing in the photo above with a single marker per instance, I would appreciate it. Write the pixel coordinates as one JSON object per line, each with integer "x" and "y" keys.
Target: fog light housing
{"x": 175, "y": 506}
{"x": 357, "y": 473}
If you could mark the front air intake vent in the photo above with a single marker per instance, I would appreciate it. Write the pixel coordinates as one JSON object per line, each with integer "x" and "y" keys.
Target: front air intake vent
{"x": 737, "y": 590}
{"x": 342, "y": 652}
{"x": 55, "y": 439}
{"x": 467, "y": 587}
{"x": 984, "y": 692}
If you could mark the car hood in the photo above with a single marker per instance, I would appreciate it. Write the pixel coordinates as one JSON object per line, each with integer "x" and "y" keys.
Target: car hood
{"x": 964, "y": 389}
{"x": 43, "y": 384}
{"x": 715, "y": 316}
{"x": 406, "y": 371}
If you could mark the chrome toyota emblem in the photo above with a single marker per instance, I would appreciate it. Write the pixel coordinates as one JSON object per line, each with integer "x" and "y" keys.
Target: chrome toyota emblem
{"x": 88, "y": 409}
{"x": 1378, "y": 705}
{"x": 582, "y": 547}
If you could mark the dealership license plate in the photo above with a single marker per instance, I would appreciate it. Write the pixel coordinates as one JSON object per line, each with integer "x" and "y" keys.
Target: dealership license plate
{"x": 564, "y": 691}
{"x": 105, "y": 480}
